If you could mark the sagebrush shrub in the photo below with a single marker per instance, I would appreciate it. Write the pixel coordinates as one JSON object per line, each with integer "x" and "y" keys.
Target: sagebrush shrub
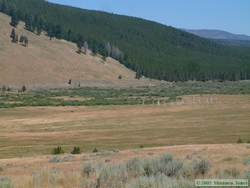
{"x": 88, "y": 168}
{"x": 69, "y": 158}
{"x": 188, "y": 170}
{"x": 168, "y": 165}
{"x": 135, "y": 167}
{"x": 246, "y": 161}
{"x": 231, "y": 172}
{"x": 6, "y": 182}
{"x": 202, "y": 166}
{"x": 112, "y": 176}
{"x": 159, "y": 181}
{"x": 56, "y": 160}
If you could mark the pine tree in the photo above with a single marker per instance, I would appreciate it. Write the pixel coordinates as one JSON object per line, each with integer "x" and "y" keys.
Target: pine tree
{"x": 94, "y": 52}
{"x": 21, "y": 39}
{"x": 26, "y": 41}
{"x": 13, "y": 35}
{"x": 14, "y": 20}
{"x": 58, "y": 31}
{"x": 79, "y": 44}
{"x": 16, "y": 38}
{"x": 69, "y": 34}
{"x": 14, "y": 17}
{"x": 28, "y": 22}
{"x": 40, "y": 26}
{"x": 104, "y": 58}
{"x": 4, "y": 7}
{"x": 50, "y": 28}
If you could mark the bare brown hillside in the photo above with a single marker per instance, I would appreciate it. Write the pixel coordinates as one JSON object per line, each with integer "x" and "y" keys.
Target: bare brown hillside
{"x": 46, "y": 63}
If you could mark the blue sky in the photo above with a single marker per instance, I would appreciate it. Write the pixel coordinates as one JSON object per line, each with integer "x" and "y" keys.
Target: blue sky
{"x": 228, "y": 15}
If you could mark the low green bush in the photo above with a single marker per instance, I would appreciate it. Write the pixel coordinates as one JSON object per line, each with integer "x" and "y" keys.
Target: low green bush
{"x": 57, "y": 150}
{"x": 95, "y": 150}
{"x": 76, "y": 150}
{"x": 239, "y": 141}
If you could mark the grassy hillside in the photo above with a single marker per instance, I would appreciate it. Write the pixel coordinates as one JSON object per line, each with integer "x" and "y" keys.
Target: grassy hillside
{"x": 149, "y": 48}
{"x": 46, "y": 63}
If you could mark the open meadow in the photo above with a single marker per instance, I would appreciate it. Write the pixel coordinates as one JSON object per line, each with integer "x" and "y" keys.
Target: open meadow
{"x": 191, "y": 127}
{"x": 36, "y": 130}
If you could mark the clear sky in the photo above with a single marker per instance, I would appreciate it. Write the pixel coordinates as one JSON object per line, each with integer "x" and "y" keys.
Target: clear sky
{"x": 228, "y": 15}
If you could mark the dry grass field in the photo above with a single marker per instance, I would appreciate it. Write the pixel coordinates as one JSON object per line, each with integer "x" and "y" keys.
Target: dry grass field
{"x": 36, "y": 130}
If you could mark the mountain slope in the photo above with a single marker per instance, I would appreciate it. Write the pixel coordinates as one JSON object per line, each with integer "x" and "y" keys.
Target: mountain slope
{"x": 46, "y": 63}
{"x": 149, "y": 48}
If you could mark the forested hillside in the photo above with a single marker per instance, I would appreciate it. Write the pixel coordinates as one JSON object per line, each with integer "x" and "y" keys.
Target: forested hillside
{"x": 149, "y": 48}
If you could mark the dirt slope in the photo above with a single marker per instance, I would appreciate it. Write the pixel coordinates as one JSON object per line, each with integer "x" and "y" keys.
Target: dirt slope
{"x": 46, "y": 63}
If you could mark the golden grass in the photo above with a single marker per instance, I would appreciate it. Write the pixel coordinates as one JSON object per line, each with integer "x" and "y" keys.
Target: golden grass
{"x": 36, "y": 130}
{"x": 203, "y": 129}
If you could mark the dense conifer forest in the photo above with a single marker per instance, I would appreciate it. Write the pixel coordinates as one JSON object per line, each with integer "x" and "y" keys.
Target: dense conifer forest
{"x": 149, "y": 48}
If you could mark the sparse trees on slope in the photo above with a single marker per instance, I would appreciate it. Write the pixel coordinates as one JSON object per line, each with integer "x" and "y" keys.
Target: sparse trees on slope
{"x": 155, "y": 46}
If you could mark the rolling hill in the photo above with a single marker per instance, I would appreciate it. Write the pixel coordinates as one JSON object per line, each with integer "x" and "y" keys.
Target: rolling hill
{"x": 217, "y": 34}
{"x": 150, "y": 49}
{"x": 51, "y": 63}
{"x": 222, "y": 37}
